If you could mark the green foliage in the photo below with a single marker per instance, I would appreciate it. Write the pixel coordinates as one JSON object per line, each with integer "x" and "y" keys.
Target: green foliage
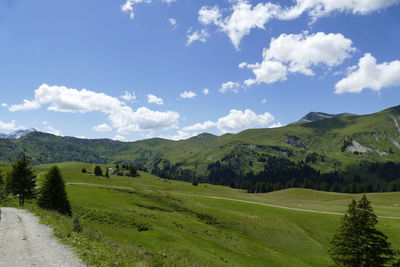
{"x": 98, "y": 171}
{"x": 84, "y": 170}
{"x": 199, "y": 231}
{"x": 76, "y": 224}
{"x": 22, "y": 180}
{"x": 53, "y": 195}
{"x": 357, "y": 241}
{"x": 3, "y": 193}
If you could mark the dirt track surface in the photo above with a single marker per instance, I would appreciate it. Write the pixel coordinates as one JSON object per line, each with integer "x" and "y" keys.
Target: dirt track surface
{"x": 25, "y": 242}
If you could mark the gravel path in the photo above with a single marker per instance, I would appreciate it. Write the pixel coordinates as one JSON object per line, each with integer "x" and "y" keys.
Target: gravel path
{"x": 25, "y": 242}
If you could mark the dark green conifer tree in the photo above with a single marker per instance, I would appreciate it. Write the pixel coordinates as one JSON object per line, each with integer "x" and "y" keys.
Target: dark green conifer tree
{"x": 53, "y": 195}
{"x": 22, "y": 180}
{"x": 98, "y": 171}
{"x": 357, "y": 241}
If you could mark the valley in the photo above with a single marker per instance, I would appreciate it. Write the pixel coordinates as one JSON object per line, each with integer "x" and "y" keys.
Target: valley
{"x": 148, "y": 220}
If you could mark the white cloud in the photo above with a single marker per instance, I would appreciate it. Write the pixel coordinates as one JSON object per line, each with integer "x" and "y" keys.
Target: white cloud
{"x": 51, "y": 130}
{"x": 152, "y": 99}
{"x": 244, "y": 17}
{"x": 122, "y": 117}
{"x": 209, "y": 15}
{"x": 369, "y": 74}
{"x": 188, "y": 94}
{"x": 200, "y": 36}
{"x": 276, "y": 125}
{"x": 4, "y": 105}
{"x": 129, "y": 96}
{"x": 26, "y": 105}
{"x": 229, "y": 86}
{"x": 235, "y": 121}
{"x": 129, "y": 6}
{"x": 238, "y": 120}
{"x": 173, "y": 22}
{"x": 263, "y": 101}
{"x": 320, "y": 8}
{"x": 102, "y": 128}
{"x": 200, "y": 126}
{"x": 266, "y": 72}
{"x": 9, "y": 126}
{"x": 180, "y": 135}
{"x": 120, "y": 138}
{"x": 205, "y": 91}
{"x": 299, "y": 53}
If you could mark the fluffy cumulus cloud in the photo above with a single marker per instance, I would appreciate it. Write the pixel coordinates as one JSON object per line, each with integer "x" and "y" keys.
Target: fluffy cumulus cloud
{"x": 369, "y": 74}
{"x": 276, "y": 125}
{"x": 238, "y": 120}
{"x": 229, "y": 86}
{"x": 102, "y": 128}
{"x": 152, "y": 99}
{"x": 205, "y": 91}
{"x": 299, "y": 53}
{"x": 200, "y": 36}
{"x": 188, "y": 94}
{"x": 243, "y": 18}
{"x": 235, "y": 121}
{"x": 180, "y": 135}
{"x": 200, "y": 126}
{"x": 120, "y": 138}
{"x": 320, "y": 8}
{"x": 51, "y": 130}
{"x": 129, "y": 6}
{"x": 25, "y": 105}
{"x": 9, "y": 126}
{"x": 122, "y": 117}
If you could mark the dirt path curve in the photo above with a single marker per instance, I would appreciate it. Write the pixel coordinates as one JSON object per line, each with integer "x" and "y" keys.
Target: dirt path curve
{"x": 25, "y": 242}
{"x": 236, "y": 200}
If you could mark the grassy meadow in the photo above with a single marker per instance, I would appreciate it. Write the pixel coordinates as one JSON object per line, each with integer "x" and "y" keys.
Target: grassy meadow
{"x": 149, "y": 221}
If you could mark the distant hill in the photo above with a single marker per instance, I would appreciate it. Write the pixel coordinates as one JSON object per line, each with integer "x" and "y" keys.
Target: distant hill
{"x": 343, "y": 143}
{"x": 316, "y": 116}
{"x": 17, "y": 134}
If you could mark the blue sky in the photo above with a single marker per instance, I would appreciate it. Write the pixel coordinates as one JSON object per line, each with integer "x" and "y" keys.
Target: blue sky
{"x": 135, "y": 69}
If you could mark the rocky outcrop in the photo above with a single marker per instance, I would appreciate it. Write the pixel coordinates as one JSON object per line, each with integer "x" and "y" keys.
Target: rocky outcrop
{"x": 295, "y": 141}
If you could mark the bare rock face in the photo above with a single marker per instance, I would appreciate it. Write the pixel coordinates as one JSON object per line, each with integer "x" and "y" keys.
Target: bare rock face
{"x": 357, "y": 147}
{"x": 295, "y": 141}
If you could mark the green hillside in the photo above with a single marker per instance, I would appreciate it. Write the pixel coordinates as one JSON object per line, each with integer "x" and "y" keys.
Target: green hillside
{"x": 344, "y": 144}
{"x": 149, "y": 221}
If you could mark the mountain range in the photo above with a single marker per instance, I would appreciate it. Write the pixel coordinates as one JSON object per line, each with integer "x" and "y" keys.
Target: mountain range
{"x": 17, "y": 134}
{"x": 327, "y": 143}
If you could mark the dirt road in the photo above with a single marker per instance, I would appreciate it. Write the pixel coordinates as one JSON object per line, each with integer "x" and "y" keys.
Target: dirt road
{"x": 25, "y": 242}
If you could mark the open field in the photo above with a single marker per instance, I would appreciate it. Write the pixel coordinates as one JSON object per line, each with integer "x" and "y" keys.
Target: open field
{"x": 152, "y": 221}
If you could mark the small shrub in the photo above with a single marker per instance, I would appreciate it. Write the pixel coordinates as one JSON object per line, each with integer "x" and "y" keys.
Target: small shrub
{"x": 76, "y": 224}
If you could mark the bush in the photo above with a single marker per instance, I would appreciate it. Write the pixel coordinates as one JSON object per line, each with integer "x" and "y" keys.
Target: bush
{"x": 76, "y": 224}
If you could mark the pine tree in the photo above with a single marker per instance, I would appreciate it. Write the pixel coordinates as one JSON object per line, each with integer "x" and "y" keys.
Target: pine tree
{"x": 22, "y": 180}
{"x": 98, "y": 171}
{"x": 107, "y": 173}
{"x": 53, "y": 195}
{"x": 357, "y": 241}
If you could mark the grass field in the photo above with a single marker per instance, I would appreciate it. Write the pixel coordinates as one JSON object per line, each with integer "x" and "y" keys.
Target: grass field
{"x": 148, "y": 221}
